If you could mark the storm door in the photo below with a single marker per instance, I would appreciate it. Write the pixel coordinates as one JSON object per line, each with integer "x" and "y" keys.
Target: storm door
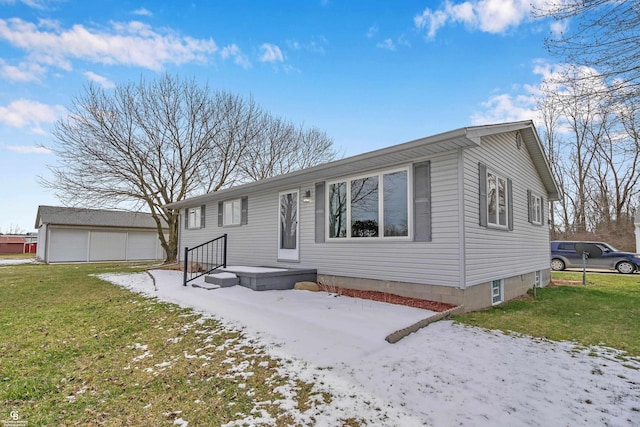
{"x": 288, "y": 226}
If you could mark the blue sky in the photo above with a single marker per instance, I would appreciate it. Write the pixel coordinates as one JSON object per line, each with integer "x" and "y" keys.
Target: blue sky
{"x": 370, "y": 74}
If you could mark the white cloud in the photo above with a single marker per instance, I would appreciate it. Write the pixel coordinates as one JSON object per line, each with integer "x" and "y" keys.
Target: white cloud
{"x": 373, "y": 30}
{"x": 130, "y": 43}
{"x": 491, "y": 16}
{"x": 23, "y": 72}
{"x": 142, "y": 12}
{"x": 507, "y": 107}
{"x": 28, "y": 149}
{"x": 559, "y": 27}
{"x": 23, "y": 112}
{"x": 35, "y": 4}
{"x": 233, "y": 51}
{"x": 102, "y": 81}
{"x": 386, "y": 44}
{"x": 316, "y": 45}
{"x": 271, "y": 53}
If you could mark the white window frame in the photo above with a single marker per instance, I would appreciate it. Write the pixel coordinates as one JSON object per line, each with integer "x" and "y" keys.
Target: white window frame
{"x": 194, "y": 218}
{"x": 497, "y": 291}
{"x": 236, "y": 212}
{"x": 498, "y": 178}
{"x": 536, "y": 209}
{"x": 380, "y": 174}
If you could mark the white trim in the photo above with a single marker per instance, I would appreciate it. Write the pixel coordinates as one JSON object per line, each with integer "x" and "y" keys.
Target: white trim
{"x": 498, "y": 178}
{"x": 232, "y": 203}
{"x": 497, "y": 285}
{"x": 289, "y": 254}
{"x": 536, "y": 216}
{"x": 197, "y": 218}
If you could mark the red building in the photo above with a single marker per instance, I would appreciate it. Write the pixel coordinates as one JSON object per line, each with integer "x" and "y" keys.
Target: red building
{"x": 18, "y": 244}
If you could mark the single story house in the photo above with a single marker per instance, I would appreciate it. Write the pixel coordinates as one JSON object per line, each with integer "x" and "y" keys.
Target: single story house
{"x": 93, "y": 235}
{"x": 460, "y": 217}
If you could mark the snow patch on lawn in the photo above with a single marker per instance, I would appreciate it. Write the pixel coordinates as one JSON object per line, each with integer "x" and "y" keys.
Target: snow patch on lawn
{"x": 445, "y": 374}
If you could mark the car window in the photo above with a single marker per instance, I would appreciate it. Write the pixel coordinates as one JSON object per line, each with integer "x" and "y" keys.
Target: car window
{"x": 607, "y": 248}
{"x": 567, "y": 247}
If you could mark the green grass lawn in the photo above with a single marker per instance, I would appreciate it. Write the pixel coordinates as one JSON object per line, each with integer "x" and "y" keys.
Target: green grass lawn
{"x": 75, "y": 350}
{"x": 606, "y": 311}
{"x": 17, "y": 256}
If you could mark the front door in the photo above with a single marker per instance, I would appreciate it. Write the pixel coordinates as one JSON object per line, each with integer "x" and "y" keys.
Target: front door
{"x": 288, "y": 226}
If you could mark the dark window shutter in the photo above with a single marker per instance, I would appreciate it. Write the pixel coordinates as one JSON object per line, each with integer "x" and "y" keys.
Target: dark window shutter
{"x": 529, "y": 207}
{"x": 244, "y": 210}
{"x": 510, "y": 204}
{"x": 186, "y": 219}
{"x": 422, "y": 202}
{"x": 482, "y": 177}
{"x": 220, "y": 213}
{"x": 320, "y": 216}
{"x": 202, "y": 216}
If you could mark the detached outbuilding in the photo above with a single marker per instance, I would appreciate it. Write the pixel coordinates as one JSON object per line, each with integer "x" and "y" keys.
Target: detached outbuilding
{"x": 94, "y": 235}
{"x": 459, "y": 217}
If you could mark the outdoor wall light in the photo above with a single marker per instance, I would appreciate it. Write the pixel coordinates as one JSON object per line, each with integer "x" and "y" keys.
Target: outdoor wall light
{"x": 306, "y": 197}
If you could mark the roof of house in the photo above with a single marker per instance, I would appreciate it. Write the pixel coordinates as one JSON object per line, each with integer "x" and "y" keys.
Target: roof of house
{"x": 466, "y": 137}
{"x": 12, "y": 239}
{"x": 58, "y": 215}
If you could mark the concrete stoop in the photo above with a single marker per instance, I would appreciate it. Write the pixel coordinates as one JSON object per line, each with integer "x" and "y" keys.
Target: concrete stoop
{"x": 223, "y": 280}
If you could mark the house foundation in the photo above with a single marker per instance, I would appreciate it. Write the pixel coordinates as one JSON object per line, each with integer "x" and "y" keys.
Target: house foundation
{"x": 472, "y": 298}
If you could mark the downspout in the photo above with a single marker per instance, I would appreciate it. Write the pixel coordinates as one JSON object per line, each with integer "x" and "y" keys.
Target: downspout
{"x": 461, "y": 223}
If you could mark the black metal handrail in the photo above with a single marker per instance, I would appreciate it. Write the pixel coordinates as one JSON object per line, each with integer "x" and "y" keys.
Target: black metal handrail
{"x": 205, "y": 258}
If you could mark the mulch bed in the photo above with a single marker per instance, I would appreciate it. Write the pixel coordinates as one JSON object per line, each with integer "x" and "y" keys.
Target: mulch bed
{"x": 389, "y": 298}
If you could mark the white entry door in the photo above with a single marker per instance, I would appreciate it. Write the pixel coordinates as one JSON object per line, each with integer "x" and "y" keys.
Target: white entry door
{"x": 288, "y": 226}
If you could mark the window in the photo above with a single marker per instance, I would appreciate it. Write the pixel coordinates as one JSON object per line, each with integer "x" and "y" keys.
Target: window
{"x": 497, "y": 291}
{"x": 371, "y": 206}
{"x": 195, "y": 217}
{"x": 535, "y": 208}
{"x": 496, "y": 201}
{"x": 231, "y": 212}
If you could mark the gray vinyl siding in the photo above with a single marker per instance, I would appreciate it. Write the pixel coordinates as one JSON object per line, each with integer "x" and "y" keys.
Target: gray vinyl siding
{"x": 494, "y": 254}
{"x": 435, "y": 262}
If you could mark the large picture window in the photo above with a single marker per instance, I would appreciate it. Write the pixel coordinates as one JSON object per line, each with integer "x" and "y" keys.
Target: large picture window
{"x": 370, "y": 206}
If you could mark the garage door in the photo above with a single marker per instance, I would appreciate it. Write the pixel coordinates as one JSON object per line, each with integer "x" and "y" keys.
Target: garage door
{"x": 142, "y": 246}
{"x": 68, "y": 245}
{"x": 107, "y": 246}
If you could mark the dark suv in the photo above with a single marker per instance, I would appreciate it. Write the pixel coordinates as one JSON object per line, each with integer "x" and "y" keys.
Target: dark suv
{"x": 564, "y": 255}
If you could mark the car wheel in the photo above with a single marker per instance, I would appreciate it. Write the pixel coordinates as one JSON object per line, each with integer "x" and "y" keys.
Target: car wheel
{"x": 625, "y": 267}
{"x": 557, "y": 264}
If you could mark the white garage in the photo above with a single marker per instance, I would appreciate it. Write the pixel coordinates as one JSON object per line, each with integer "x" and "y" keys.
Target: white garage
{"x": 92, "y": 235}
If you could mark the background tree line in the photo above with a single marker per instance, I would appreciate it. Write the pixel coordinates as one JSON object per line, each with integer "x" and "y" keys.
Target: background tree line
{"x": 590, "y": 110}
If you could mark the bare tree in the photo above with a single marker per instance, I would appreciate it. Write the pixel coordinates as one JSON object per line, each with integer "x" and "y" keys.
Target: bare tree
{"x": 603, "y": 35}
{"x": 153, "y": 143}
{"x": 281, "y": 147}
